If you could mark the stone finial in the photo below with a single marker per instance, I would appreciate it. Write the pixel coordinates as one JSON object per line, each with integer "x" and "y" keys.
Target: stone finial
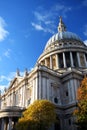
{"x": 61, "y": 26}
{"x": 26, "y": 72}
{"x": 17, "y": 72}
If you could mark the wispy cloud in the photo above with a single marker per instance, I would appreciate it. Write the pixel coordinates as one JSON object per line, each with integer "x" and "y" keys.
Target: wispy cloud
{"x": 7, "y": 53}
{"x": 40, "y": 28}
{"x": 5, "y": 80}
{"x": 84, "y": 2}
{"x": 7, "y": 77}
{"x": 45, "y": 19}
{"x": 37, "y": 26}
{"x": 85, "y": 30}
{"x": 85, "y": 33}
{"x": 3, "y": 31}
{"x": 61, "y": 9}
{"x": 85, "y": 42}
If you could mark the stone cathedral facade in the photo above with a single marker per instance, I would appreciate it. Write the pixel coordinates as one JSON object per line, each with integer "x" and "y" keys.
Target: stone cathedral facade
{"x": 55, "y": 77}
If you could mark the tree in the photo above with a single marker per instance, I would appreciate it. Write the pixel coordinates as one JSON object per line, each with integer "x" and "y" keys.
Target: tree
{"x": 39, "y": 116}
{"x": 81, "y": 111}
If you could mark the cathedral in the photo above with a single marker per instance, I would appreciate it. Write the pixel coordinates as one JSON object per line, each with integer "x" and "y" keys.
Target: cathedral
{"x": 55, "y": 77}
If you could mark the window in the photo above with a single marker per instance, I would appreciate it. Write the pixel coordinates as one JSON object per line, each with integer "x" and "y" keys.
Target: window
{"x": 65, "y": 44}
{"x": 75, "y": 60}
{"x": 86, "y": 56}
{"x": 66, "y": 93}
{"x": 60, "y": 55}
{"x": 56, "y": 100}
{"x": 70, "y": 43}
{"x": 29, "y": 101}
{"x": 67, "y": 55}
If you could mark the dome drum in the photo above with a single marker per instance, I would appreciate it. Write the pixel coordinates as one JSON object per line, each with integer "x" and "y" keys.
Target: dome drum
{"x": 65, "y": 59}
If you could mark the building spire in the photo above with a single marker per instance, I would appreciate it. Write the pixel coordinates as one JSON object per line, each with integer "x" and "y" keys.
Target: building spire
{"x": 17, "y": 72}
{"x": 61, "y": 26}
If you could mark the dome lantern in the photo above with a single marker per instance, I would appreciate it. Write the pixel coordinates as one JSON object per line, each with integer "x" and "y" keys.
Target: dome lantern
{"x": 61, "y": 26}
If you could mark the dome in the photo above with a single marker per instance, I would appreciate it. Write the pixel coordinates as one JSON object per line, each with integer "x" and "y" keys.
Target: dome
{"x": 62, "y": 36}
{"x": 64, "y": 50}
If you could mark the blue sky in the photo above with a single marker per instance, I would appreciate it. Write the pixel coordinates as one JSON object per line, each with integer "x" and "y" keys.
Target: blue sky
{"x": 26, "y": 26}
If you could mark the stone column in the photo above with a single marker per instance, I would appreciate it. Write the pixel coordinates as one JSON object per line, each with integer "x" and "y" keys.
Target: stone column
{"x": 5, "y": 124}
{"x": 23, "y": 96}
{"x": 10, "y": 124}
{"x": 48, "y": 91}
{"x": 44, "y": 88}
{"x": 36, "y": 88}
{"x": 85, "y": 60}
{"x": 2, "y": 124}
{"x": 14, "y": 102}
{"x": 71, "y": 59}
{"x": 78, "y": 59}
{"x": 64, "y": 60}
{"x": 45, "y": 62}
{"x": 40, "y": 85}
{"x": 25, "y": 103}
{"x": 33, "y": 90}
{"x": 50, "y": 62}
{"x": 57, "y": 61}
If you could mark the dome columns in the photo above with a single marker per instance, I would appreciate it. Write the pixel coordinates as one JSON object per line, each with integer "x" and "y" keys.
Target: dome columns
{"x": 71, "y": 59}
{"x": 78, "y": 59}
{"x": 6, "y": 123}
{"x": 51, "y": 62}
{"x": 85, "y": 60}
{"x": 57, "y": 61}
{"x": 10, "y": 123}
{"x": 2, "y": 124}
{"x": 65, "y": 60}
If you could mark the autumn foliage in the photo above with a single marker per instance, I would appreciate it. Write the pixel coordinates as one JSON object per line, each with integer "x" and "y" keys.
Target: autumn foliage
{"x": 81, "y": 111}
{"x": 39, "y": 116}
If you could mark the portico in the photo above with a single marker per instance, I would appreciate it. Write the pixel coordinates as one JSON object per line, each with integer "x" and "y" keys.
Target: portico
{"x": 9, "y": 117}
